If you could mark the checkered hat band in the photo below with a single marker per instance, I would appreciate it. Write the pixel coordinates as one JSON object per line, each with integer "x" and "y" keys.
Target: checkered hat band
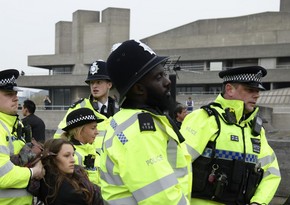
{"x": 247, "y": 77}
{"x": 6, "y": 81}
{"x": 81, "y": 118}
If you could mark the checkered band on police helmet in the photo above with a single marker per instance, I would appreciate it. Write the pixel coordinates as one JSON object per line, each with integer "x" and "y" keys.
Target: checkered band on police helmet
{"x": 247, "y": 77}
{"x": 80, "y": 117}
{"x": 250, "y": 75}
{"x": 8, "y": 79}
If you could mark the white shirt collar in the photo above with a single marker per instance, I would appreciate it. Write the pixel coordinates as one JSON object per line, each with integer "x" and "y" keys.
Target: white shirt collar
{"x": 100, "y": 106}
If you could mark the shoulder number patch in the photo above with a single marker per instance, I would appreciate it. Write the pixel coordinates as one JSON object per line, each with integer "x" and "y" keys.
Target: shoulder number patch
{"x": 146, "y": 122}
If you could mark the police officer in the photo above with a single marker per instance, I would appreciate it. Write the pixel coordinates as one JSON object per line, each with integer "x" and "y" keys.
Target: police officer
{"x": 232, "y": 160}
{"x": 81, "y": 130}
{"x": 13, "y": 179}
{"x": 143, "y": 161}
{"x": 99, "y": 100}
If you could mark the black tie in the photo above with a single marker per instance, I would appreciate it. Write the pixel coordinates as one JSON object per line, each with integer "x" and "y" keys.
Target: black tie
{"x": 103, "y": 110}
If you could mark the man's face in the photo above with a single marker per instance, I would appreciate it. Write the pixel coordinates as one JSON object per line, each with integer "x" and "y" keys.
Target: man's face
{"x": 9, "y": 102}
{"x": 24, "y": 111}
{"x": 100, "y": 88}
{"x": 157, "y": 86}
{"x": 247, "y": 94}
{"x": 182, "y": 114}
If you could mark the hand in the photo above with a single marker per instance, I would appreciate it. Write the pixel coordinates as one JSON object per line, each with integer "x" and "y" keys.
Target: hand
{"x": 38, "y": 171}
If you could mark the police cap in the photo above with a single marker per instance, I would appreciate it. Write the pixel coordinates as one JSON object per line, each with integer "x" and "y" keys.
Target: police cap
{"x": 7, "y": 80}
{"x": 97, "y": 71}
{"x": 249, "y": 75}
{"x": 129, "y": 62}
{"x": 80, "y": 117}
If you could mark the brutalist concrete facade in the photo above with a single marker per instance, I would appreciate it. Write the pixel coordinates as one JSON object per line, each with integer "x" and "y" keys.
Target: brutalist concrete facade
{"x": 257, "y": 39}
{"x": 87, "y": 38}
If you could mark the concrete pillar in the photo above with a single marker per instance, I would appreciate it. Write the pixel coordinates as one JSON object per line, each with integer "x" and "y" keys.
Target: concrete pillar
{"x": 63, "y": 37}
{"x": 285, "y": 5}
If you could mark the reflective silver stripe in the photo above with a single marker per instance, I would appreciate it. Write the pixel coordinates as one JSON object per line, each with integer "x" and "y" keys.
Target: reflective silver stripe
{"x": 155, "y": 187}
{"x": 172, "y": 152}
{"x": 123, "y": 201}
{"x": 272, "y": 170}
{"x": 121, "y": 128}
{"x": 4, "y": 150}
{"x": 193, "y": 153}
{"x": 102, "y": 133}
{"x": 110, "y": 177}
{"x": 181, "y": 172}
{"x": 83, "y": 103}
{"x": 11, "y": 147}
{"x": 12, "y": 193}
{"x": 6, "y": 168}
{"x": 182, "y": 201}
{"x": 172, "y": 158}
{"x": 80, "y": 158}
{"x": 126, "y": 124}
{"x": 58, "y": 131}
{"x": 160, "y": 125}
{"x": 267, "y": 159}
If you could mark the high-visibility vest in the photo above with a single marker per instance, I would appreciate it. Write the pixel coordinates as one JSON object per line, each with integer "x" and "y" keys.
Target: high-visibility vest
{"x": 87, "y": 150}
{"x": 235, "y": 142}
{"x": 13, "y": 179}
{"x": 143, "y": 161}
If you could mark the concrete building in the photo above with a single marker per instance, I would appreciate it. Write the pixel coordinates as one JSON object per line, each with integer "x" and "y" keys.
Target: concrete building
{"x": 206, "y": 46}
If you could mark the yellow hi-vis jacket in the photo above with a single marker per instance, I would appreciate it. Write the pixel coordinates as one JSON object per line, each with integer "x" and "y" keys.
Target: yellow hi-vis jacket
{"x": 82, "y": 151}
{"x": 13, "y": 179}
{"x": 85, "y": 103}
{"x": 143, "y": 162}
{"x": 235, "y": 141}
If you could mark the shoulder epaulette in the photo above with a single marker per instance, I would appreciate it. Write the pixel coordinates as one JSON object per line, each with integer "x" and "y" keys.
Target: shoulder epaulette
{"x": 146, "y": 122}
{"x": 77, "y": 102}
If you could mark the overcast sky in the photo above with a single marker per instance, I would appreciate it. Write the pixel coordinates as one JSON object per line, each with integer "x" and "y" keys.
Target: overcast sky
{"x": 28, "y": 26}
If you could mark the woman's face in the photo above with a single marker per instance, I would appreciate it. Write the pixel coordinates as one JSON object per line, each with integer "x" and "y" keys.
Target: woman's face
{"x": 89, "y": 133}
{"x": 65, "y": 159}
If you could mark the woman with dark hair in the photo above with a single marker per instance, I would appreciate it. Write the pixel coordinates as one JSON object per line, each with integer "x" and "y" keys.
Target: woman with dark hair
{"x": 65, "y": 183}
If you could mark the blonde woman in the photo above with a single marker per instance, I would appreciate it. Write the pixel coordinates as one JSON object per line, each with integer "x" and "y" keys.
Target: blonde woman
{"x": 81, "y": 130}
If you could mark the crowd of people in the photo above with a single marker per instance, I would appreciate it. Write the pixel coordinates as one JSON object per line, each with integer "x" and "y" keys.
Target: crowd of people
{"x": 135, "y": 151}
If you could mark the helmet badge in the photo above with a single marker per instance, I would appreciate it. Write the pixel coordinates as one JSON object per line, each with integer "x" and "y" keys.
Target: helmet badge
{"x": 94, "y": 68}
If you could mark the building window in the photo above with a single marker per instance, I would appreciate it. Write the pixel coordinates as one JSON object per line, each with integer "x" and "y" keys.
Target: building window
{"x": 62, "y": 70}
{"x": 215, "y": 66}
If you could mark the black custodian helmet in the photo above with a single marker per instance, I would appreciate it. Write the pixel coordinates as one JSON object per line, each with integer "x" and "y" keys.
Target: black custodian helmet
{"x": 98, "y": 71}
{"x": 129, "y": 62}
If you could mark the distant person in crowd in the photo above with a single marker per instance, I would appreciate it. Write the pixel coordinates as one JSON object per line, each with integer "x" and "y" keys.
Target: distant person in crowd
{"x": 34, "y": 122}
{"x": 143, "y": 159}
{"x": 99, "y": 100}
{"x": 65, "y": 182}
{"x": 190, "y": 104}
{"x": 13, "y": 179}
{"x": 232, "y": 160}
{"x": 81, "y": 130}
{"x": 115, "y": 98}
{"x": 179, "y": 114}
{"x": 47, "y": 103}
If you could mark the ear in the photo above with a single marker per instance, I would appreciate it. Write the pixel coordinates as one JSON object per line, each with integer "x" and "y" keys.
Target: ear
{"x": 230, "y": 89}
{"x": 139, "y": 89}
{"x": 110, "y": 84}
